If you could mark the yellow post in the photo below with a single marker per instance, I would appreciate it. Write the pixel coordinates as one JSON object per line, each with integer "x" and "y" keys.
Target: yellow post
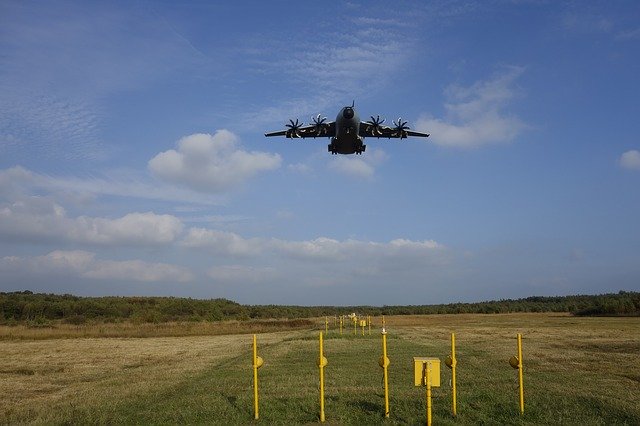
{"x": 321, "y": 363}
{"x": 428, "y": 380}
{"x": 355, "y": 326}
{"x": 385, "y": 363}
{"x": 520, "y": 373}
{"x": 255, "y": 378}
{"x": 453, "y": 375}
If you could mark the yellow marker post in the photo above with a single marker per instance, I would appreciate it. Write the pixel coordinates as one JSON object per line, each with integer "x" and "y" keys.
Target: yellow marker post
{"x": 355, "y": 326}
{"x": 257, "y": 363}
{"x": 384, "y": 363}
{"x": 454, "y": 409}
{"x": 451, "y": 363}
{"x": 426, "y": 372}
{"x": 322, "y": 362}
{"x": 428, "y": 382}
{"x": 520, "y": 373}
{"x": 516, "y": 362}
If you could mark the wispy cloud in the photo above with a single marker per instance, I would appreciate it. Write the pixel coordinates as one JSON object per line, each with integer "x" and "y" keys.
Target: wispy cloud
{"x": 336, "y": 66}
{"x": 358, "y": 166}
{"x": 475, "y": 115}
{"x": 630, "y": 160}
{"x": 84, "y": 264}
{"x": 60, "y": 60}
{"x": 629, "y": 34}
{"x": 232, "y": 245}
{"x": 119, "y": 183}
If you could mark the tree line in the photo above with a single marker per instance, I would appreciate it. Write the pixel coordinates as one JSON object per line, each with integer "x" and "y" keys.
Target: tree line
{"x": 26, "y": 306}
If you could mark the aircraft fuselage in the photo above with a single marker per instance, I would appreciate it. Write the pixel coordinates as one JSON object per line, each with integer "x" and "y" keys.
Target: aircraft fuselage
{"x": 346, "y": 140}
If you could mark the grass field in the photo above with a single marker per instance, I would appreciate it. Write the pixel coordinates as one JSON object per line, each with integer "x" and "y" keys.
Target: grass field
{"x": 576, "y": 371}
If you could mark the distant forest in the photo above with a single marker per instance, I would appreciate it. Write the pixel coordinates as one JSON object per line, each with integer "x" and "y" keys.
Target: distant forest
{"x": 29, "y": 307}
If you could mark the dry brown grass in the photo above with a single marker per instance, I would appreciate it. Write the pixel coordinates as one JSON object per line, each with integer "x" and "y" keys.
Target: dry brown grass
{"x": 42, "y": 375}
{"x": 59, "y": 330}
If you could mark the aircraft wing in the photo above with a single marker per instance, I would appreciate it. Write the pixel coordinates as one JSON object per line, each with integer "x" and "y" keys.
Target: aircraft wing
{"x": 325, "y": 130}
{"x": 369, "y": 130}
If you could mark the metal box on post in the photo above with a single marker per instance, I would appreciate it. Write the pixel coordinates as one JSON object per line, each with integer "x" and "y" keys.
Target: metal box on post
{"x": 420, "y": 364}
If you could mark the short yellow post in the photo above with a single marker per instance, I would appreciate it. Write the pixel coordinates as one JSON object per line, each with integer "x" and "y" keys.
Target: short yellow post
{"x": 322, "y": 362}
{"x": 257, "y": 363}
{"x": 454, "y": 409}
{"x": 384, "y": 363}
{"x": 428, "y": 382}
{"x": 520, "y": 373}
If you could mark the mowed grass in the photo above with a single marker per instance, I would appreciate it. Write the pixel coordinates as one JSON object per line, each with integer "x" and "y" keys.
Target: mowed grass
{"x": 576, "y": 371}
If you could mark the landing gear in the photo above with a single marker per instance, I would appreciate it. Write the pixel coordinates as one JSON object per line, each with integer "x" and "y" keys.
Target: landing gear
{"x": 362, "y": 148}
{"x": 332, "y": 149}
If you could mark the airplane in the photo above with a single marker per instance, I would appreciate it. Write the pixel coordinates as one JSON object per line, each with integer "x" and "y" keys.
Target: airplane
{"x": 347, "y": 133}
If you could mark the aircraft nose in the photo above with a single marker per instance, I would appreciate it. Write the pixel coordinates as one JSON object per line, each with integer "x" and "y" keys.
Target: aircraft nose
{"x": 348, "y": 113}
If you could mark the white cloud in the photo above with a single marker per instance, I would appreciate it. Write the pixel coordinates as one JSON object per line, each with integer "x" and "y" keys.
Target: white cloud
{"x": 358, "y": 166}
{"x": 84, "y": 264}
{"x": 211, "y": 163}
{"x": 630, "y": 160}
{"x": 221, "y": 242}
{"x": 37, "y": 218}
{"x": 121, "y": 183}
{"x": 322, "y": 248}
{"x": 474, "y": 115}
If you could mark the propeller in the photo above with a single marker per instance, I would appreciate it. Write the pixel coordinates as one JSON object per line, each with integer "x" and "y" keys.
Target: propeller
{"x": 401, "y": 128}
{"x": 294, "y": 129}
{"x": 318, "y": 122}
{"x": 376, "y": 124}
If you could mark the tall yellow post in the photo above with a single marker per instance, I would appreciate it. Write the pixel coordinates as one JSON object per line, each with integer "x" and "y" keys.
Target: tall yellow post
{"x": 428, "y": 380}
{"x": 322, "y": 362}
{"x": 520, "y": 373}
{"x": 255, "y": 378}
{"x": 453, "y": 375}
{"x": 385, "y": 364}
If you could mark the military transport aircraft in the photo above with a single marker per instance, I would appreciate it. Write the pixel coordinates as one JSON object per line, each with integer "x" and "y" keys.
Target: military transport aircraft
{"x": 347, "y": 133}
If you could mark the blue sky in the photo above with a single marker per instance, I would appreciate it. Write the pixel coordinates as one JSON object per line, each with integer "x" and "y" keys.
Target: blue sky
{"x": 133, "y": 161}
